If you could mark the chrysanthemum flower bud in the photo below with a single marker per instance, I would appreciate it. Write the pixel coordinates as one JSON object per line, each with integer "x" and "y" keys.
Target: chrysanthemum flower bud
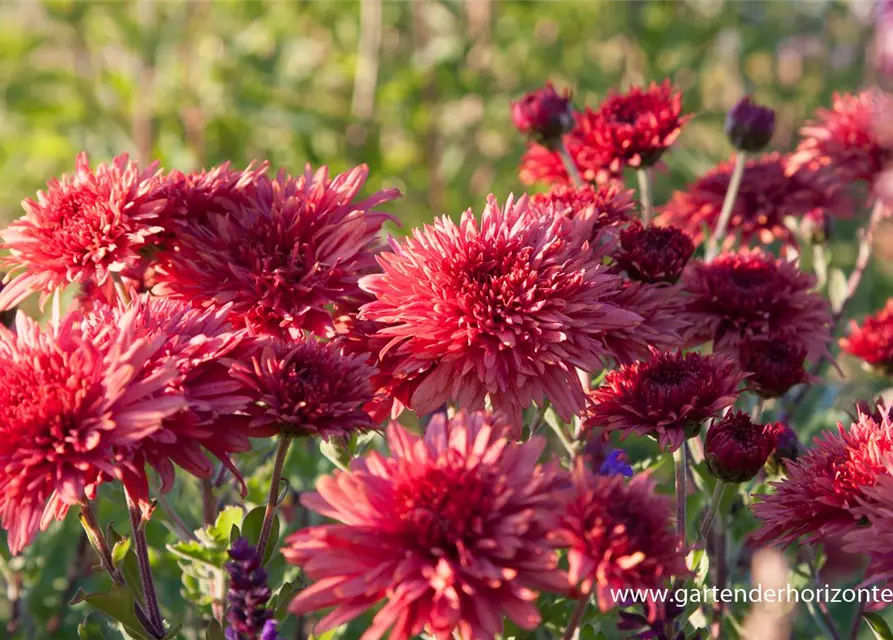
{"x": 750, "y": 126}
{"x": 543, "y": 116}
{"x": 736, "y": 448}
{"x": 787, "y": 448}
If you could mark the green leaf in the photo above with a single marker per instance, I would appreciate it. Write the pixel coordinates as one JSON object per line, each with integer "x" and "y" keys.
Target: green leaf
{"x": 878, "y": 626}
{"x": 124, "y": 559}
{"x": 214, "y": 631}
{"x": 252, "y": 525}
{"x": 222, "y": 529}
{"x": 280, "y": 600}
{"x": 93, "y": 627}
{"x": 335, "y": 452}
{"x": 119, "y": 604}
{"x": 173, "y": 632}
{"x": 837, "y": 287}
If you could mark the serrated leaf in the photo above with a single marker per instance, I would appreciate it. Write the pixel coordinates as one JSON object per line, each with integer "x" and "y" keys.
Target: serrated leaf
{"x": 93, "y": 628}
{"x": 214, "y": 631}
{"x": 837, "y": 287}
{"x": 119, "y": 604}
{"x": 223, "y": 526}
{"x": 878, "y": 626}
{"x": 251, "y": 528}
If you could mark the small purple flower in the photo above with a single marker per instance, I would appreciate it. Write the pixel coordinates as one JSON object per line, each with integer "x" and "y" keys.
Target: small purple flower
{"x": 750, "y": 126}
{"x": 248, "y": 616}
{"x": 615, "y": 464}
{"x": 269, "y": 631}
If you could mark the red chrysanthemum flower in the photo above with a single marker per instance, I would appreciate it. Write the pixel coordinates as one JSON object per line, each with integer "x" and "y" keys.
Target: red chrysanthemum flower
{"x": 620, "y": 535}
{"x": 752, "y": 295}
{"x": 543, "y": 115}
{"x": 773, "y": 365}
{"x": 507, "y": 307}
{"x": 655, "y": 254}
{"x": 298, "y": 246}
{"x": 736, "y": 449}
{"x": 307, "y": 388}
{"x": 202, "y": 346}
{"x": 873, "y": 341}
{"x": 84, "y": 228}
{"x": 845, "y": 140}
{"x": 635, "y": 128}
{"x": 542, "y": 164}
{"x": 67, "y": 406}
{"x": 826, "y": 483}
{"x": 667, "y": 397}
{"x": 875, "y": 539}
{"x": 663, "y": 327}
{"x": 452, "y": 530}
{"x": 766, "y": 196}
{"x": 596, "y": 207}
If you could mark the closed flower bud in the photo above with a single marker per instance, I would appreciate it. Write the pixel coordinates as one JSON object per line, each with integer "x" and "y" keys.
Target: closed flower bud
{"x": 736, "y": 448}
{"x": 787, "y": 448}
{"x": 543, "y": 116}
{"x": 750, "y": 126}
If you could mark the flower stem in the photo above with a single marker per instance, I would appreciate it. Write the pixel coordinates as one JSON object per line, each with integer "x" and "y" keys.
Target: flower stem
{"x": 570, "y": 166}
{"x": 645, "y": 196}
{"x": 562, "y": 436}
{"x": 718, "y": 492}
{"x": 573, "y": 626}
{"x": 680, "y": 464}
{"x": 757, "y": 410}
{"x": 728, "y": 204}
{"x": 822, "y": 607}
{"x": 98, "y": 541}
{"x": 273, "y": 496}
{"x": 141, "y": 548}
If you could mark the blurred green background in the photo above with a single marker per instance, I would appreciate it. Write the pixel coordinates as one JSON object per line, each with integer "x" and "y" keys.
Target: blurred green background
{"x": 420, "y": 92}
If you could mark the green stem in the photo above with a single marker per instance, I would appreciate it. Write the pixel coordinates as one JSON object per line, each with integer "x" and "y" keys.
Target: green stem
{"x": 646, "y": 197}
{"x": 757, "y": 410}
{"x": 680, "y": 464}
{"x": 573, "y": 626}
{"x": 562, "y": 437}
{"x": 715, "y": 501}
{"x": 273, "y": 496}
{"x": 728, "y": 204}
{"x": 98, "y": 541}
{"x": 570, "y": 166}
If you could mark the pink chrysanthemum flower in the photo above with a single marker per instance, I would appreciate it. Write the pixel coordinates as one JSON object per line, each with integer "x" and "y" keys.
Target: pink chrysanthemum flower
{"x": 873, "y": 340}
{"x": 298, "y": 246}
{"x": 620, "y": 535}
{"x": 202, "y": 346}
{"x": 664, "y": 322}
{"x": 542, "y": 164}
{"x": 601, "y": 207}
{"x": 826, "y": 483}
{"x": 307, "y": 388}
{"x": 635, "y": 128}
{"x": 845, "y": 140}
{"x": 751, "y": 294}
{"x": 508, "y": 306}
{"x": 766, "y": 196}
{"x": 84, "y": 228}
{"x": 875, "y": 538}
{"x": 67, "y": 405}
{"x": 667, "y": 397}
{"x": 451, "y": 530}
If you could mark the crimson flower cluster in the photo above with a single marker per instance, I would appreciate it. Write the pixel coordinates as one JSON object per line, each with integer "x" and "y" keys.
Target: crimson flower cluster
{"x": 872, "y": 341}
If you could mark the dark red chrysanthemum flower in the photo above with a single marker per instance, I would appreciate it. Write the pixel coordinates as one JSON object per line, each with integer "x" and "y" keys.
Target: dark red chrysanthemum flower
{"x": 84, "y": 228}
{"x": 655, "y": 254}
{"x": 620, "y": 535}
{"x": 749, "y": 126}
{"x": 307, "y": 388}
{"x": 635, "y": 128}
{"x": 736, "y": 449}
{"x": 596, "y": 207}
{"x": 202, "y": 345}
{"x": 826, "y": 483}
{"x": 451, "y": 530}
{"x": 67, "y": 405}
{"x": 845, "y": 140}
{"x": 297, "y": 247}
{"x": 753, "y": 295}
{"x": 667, "y": 397}
{"x": 875, "y": 539}
{"x": 663, "y": 327}
{"x": 774, "y": 365}
{"x": 542, "y": 164}
{"x": 873, "y": 341}
{"x": 508, "y": 306}
{"x": 766, "y": 196}
{"x": 543, "y": 116}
